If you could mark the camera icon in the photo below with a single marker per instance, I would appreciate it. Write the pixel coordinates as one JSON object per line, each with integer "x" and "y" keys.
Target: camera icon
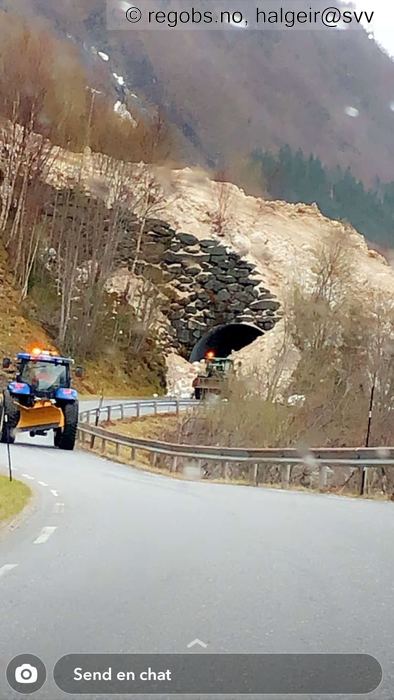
{"x": 26, "y": 674}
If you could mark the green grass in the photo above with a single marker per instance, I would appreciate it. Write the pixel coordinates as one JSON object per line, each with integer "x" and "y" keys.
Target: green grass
{"x": 13, "y": 497}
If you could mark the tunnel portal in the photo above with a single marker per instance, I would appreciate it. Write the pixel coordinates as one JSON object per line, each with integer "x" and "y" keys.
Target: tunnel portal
{"x": 223, "y": 339}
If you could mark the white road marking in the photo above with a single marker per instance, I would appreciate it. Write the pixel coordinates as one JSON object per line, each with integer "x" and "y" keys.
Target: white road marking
{"x": 28, "y": 476}
{"x": 7, "y": 567}
{"x": 54, "y": 493}
{"x": 45, "y": 534}
{"x": 42, "y": 483}
{"x": 58, "y": 508}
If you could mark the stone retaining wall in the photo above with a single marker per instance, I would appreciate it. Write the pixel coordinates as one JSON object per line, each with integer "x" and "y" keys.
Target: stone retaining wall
{"x": 205, "y": 283}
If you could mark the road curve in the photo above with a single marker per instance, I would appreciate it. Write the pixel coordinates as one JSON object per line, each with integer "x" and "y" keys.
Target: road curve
{"x": 112, "y": 559}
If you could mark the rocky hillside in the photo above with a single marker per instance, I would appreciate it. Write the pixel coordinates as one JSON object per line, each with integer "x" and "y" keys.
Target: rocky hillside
{"x": 282, "y": 241}
{"x": 213, "y": 256}
{"x": 227, "y": 257}
{"x": 133, "y": 257}
{"x": 279, "y": 238}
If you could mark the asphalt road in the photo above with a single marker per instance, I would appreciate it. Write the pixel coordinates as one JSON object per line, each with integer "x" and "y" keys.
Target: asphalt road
{"x": 111, "y": 559}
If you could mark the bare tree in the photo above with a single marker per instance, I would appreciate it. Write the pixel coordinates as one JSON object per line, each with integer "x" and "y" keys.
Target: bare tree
{"x": 221, "y": 214}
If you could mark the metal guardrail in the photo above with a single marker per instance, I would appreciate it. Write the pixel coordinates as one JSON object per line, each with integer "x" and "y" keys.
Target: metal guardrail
{"x": 363, "y": 457}
{"x": 120, "y": 410}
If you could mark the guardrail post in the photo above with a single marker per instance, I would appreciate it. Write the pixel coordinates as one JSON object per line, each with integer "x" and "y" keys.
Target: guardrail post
{"x": 177, "y": 407}
{"x": 96, "y": 422}
{"x": 174, "y": 466}
{"x": 121, "y": 412}
{"x": 285, "y": 476}
{"x": 117, "y": 449}
{"x": 155, "y": 408}
{"x": 138, "y": 410}
{"x": 256, "y": 474}
{"x": 226, "y": 475}
{"x": 133, "y": 454}
{"x": 323, "y": 473}
{"x": 103, "y": 445}
{"x": 109, "y": 413}
{"x": 364, "y": 481}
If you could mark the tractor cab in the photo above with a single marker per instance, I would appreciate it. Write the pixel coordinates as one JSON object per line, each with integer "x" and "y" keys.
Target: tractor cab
{"x": 214, "y": 379}
{"x": 40, "y": 397}
{"x": 219, "y": 366}
{"x": 44, "y": 375}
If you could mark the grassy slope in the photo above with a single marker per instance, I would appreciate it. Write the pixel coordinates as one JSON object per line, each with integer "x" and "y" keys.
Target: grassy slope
{"x": 162, "y": 427}
{"x": 112, "y": 376}
{"x": 13, "y": 498}
{"x": 16, "y": 332}
{"x": 110, "y": 373}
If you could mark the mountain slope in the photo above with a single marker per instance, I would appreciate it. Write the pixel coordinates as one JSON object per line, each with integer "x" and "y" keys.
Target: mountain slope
{"x": 230, "y": 92}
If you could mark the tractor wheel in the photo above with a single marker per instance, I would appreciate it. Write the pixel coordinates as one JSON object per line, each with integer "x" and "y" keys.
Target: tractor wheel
{"x": 11, "y": 412}
{"x": 65, "y": 438}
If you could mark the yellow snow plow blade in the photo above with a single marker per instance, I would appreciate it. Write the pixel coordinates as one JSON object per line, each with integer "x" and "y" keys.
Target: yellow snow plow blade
{"x": 43, "y": 415}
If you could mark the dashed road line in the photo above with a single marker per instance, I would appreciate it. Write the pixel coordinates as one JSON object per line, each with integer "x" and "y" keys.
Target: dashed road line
{"x": 7, "y": 567}
{"x": 42, "y": 483}
{"x": 28, "y": 476}
{"x": 54, "y": 493}
{"x": 58, "y": 508}
{"x": 45, "y": 534}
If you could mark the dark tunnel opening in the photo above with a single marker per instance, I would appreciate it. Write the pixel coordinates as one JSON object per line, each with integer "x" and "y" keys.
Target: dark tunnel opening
{"x": 222, "y": 340}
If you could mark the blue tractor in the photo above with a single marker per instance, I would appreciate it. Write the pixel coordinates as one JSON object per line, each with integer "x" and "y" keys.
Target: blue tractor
{"x": 40, "y": 398}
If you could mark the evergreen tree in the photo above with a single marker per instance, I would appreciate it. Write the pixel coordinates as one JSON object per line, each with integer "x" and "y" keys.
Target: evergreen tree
{"x": 295, "y": 177}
